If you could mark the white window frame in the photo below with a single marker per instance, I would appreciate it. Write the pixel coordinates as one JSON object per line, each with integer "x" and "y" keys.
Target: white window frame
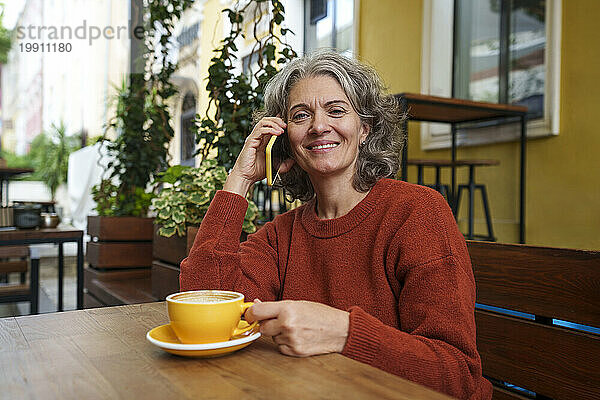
{"x": 436, "y": 79}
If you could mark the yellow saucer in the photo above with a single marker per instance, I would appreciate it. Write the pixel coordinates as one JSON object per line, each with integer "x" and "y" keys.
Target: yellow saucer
{"x": 164, "y": 337}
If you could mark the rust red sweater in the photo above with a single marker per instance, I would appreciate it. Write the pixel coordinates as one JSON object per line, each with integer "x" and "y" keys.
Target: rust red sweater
{"x": 396, "y": 261}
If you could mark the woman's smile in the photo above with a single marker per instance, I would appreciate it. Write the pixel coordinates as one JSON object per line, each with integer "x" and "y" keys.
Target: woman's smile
{"x": 322, "y": 146}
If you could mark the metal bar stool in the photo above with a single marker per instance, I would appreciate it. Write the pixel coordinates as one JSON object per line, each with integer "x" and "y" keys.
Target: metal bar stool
{"x": 438, "y": 165}
{"x": 471, "y": 186}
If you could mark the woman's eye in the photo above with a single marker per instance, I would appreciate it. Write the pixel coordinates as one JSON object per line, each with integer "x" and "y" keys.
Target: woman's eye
{"x": 299, "y": 115}
{"x": 337, "y": 111}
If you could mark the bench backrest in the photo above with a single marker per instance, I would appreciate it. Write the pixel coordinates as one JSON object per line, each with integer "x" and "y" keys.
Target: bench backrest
{"x": 535, "y": 354}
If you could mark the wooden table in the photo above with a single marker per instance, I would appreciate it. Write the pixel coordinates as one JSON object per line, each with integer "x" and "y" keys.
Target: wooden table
{"x": 103, "y": 353}
{"x": 57, "y": 236}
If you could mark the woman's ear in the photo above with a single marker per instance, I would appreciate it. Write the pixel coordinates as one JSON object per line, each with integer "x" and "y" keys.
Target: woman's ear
{"x": 286, "y": 165}
{"x": 366, "y": 129}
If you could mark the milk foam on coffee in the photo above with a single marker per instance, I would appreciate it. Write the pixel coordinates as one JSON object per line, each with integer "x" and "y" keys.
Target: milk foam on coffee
{"x": 206, "y": 297}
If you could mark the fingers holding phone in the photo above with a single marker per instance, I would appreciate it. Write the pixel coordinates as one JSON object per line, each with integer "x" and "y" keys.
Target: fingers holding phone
{"x": 250, "y": 165}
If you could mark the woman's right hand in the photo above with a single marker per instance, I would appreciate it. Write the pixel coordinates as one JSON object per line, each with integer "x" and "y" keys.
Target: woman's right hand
{"x": 250, "y": 165}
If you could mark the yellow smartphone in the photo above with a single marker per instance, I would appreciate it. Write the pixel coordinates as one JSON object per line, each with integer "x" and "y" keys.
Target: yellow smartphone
{"x": 273, "y": 154}
{"x": 269, "y": 160}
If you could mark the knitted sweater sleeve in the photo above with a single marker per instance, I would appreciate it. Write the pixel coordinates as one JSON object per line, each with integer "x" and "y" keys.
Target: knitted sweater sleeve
{"x": 435, "y": 344}
{"x": 218, "y": 261}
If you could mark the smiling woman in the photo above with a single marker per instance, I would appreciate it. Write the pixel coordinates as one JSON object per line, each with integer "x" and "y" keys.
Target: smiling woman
{"x": 369, "y": 267}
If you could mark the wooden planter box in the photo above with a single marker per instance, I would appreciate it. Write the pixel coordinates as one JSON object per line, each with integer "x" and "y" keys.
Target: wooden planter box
{"x": 168, "y": 254}
{"x": 120, "y": 228}
{"x": 119, "y": 257}
{"x": 165, "y": 279}
{"x": 95, "y": 281}
{"x": 173, "y": 249}
{"x": 120, "y": 242}
{"x": 119, "y": 254}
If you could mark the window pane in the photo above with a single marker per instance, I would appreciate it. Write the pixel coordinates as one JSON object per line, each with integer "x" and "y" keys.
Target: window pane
{"x": 334, "y": 29}
{"x": 527, "y": 48}
{"x": 319, "y": 34}
{"x": 188, "y": 144}
{"x": 344, "y": 16}
{"x": 478, "y": 51}
{"x": 478, "y": 75}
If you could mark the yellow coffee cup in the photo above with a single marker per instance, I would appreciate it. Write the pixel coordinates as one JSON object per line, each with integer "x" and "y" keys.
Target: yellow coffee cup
{"x": 207, "y": 316}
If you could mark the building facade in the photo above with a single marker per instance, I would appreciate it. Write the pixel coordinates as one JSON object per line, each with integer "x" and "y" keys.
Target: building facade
{"x": 72, "y": 78}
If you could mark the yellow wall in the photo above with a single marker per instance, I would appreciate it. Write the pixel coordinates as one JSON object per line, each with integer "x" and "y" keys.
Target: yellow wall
{"x": 210, "y": 36}
{"x": 563, "y": 172}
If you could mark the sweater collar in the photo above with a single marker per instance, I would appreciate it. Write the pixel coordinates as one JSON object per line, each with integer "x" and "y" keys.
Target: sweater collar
{"x": 327, "y": 228}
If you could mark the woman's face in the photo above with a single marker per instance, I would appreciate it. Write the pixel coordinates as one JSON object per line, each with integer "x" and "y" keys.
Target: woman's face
{"x": 323, "y": 129}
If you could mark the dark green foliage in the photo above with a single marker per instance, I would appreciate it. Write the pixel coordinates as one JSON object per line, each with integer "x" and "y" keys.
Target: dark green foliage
{"x": 111, "y": 200}
{"x": 186, "y": 200}
{"x": 233, "y": 98}
{"x": 142, "y": 120}
{"x": 17, "y": 161}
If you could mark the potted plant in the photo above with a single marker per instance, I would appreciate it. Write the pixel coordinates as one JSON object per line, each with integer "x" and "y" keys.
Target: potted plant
{"x": 50, "y": 155}
{"x": 142, "y": 127}
{"x": 185, "y": 202}
{"x": 180, "y": 208}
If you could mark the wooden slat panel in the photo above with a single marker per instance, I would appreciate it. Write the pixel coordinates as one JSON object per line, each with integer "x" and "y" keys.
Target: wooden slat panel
{"x": 91, "y": 274}
{"x": 120, "y": 228}
{"x": 115, "y": 274}
{"x": 89, "y": 301}
{"x": 101, "y": 295}
{"x": 556, "y": 362}
{"x": 14, "y": 251}
{"x": 119, "y": 254}
{"x": 502, "y": 394}
{"x": 14, "y": 290}
{"x": 551, "y": 282}
{"x": 12, "y": 266}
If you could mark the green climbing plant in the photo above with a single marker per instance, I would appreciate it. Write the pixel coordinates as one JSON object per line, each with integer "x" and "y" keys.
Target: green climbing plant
{"x": 233, "y": 97}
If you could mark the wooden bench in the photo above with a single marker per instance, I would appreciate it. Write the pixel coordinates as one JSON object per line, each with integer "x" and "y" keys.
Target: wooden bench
{"x": 13, "y": 259}
{"x": 549, "y": 283}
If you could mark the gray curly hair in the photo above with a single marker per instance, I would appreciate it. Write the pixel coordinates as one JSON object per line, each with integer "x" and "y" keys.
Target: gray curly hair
{"x": 379, "y": 154}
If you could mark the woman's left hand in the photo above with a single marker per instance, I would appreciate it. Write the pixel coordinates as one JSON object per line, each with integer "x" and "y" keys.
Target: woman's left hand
{"x": 302, "y": 328}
